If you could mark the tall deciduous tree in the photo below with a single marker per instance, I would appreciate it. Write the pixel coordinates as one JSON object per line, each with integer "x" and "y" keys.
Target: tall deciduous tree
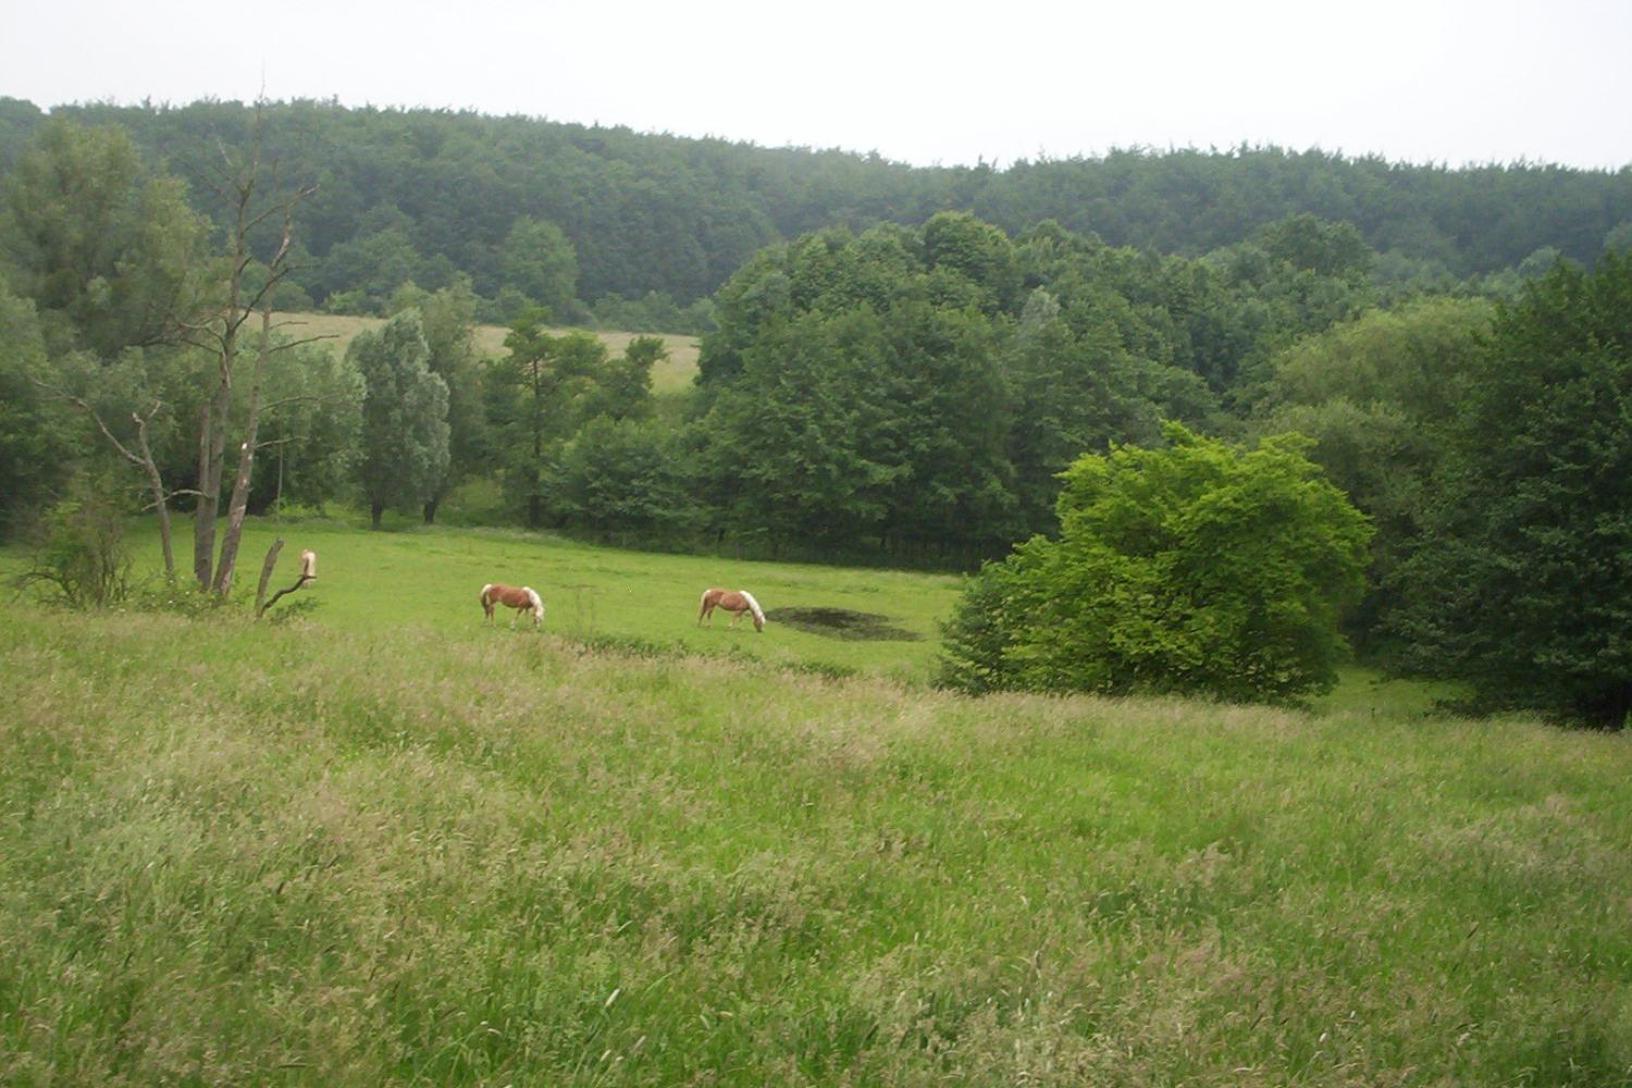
{"x": 111, "y": 256}
{"x": 960, "y": 243}
{"x": 1376, "y": 395}
{"x": 108, "y": 250}
{"x": 538, "y": 260}
{"x": 790, "y": 456}
{"x": 405, "y": 415}
{"x": 311, "y": 443}
{"x": 448, "y": 317}
{"x": 1312, "y": 244}
{"x": 1521, "y": 580}
{"x": 36, "y": 438}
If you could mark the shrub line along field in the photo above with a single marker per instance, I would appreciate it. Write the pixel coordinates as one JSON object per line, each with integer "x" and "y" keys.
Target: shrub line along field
{"x": 378, "y": 842}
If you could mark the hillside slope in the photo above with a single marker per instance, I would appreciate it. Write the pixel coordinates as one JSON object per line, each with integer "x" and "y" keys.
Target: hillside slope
{"x": 656, "y": 212}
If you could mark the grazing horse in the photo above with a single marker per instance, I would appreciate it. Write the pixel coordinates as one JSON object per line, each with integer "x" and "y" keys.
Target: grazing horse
{"x": 521, "y": 598}
{"x": 734, "y": 601}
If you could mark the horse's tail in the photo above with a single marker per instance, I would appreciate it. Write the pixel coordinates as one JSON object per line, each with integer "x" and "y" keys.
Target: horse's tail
{"x": 702, "y": 604}
{"x": 753, "y": 605}
{"x": 538, "y": 602}
{"x": 485, "y": 591}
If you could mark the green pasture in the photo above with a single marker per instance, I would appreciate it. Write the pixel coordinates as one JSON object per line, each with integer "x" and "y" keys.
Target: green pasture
{"x": 380, "y": 844}
{"x": 428, "y": 580}
{"x": 413, "y": 578}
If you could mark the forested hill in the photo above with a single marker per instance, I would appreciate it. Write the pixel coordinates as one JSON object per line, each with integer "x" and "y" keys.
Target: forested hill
{"x": 423, "y": 194}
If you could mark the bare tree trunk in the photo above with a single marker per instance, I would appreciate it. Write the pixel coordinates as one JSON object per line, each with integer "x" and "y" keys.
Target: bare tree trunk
{"x": 266, "y": 574}
{"x": 238, "y": 506}
{"x": 160, "y": 500}
{"x": 308, "y": 573}
{"x": 212, "y": 445}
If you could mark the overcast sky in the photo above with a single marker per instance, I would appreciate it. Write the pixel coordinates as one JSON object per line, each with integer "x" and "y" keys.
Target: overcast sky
{"x": 1450, "y": 82}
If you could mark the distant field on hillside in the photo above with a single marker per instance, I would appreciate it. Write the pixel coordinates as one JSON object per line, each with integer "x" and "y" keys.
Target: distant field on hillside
{"x": 672, "y": 375}
{"x": 386, "y": 845}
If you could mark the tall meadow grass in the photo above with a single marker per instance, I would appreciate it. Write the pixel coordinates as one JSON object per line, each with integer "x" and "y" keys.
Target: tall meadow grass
{"x": 301, "y": 853}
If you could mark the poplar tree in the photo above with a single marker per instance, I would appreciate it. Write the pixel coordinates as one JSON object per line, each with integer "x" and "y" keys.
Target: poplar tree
{"x": 405, "y": 415}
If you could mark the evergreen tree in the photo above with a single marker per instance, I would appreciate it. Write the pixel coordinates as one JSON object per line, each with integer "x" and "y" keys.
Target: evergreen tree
{"x": 538, "y": 396}
{"x": 1520, "y": 581}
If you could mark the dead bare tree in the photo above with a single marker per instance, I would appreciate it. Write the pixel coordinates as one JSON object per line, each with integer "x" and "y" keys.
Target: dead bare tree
{"x": 238, "y": 181}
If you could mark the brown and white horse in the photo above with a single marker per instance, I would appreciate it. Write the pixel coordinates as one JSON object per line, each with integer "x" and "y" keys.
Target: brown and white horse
{"x": 734, "y": 601}
{"x": 521, "y": 598}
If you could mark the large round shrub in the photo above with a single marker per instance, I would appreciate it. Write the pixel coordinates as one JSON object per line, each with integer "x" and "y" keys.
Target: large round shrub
{"x": 1196, "y": 568}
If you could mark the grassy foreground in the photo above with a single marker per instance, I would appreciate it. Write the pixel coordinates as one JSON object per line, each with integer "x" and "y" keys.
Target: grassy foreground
{"x": 309, "y": 854}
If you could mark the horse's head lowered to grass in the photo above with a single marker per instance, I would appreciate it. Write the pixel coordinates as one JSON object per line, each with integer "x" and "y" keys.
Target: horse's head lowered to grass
{"x": 735, "y": 601}
{"x": 521, "y": 598}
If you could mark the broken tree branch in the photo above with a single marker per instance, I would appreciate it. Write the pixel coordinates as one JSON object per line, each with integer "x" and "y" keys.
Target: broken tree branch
{"x": 308, "y": 573}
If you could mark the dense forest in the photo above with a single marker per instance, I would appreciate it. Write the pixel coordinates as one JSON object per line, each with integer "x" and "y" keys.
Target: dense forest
{"x": 899, "y": 365}
{"x": 587, "y": 219}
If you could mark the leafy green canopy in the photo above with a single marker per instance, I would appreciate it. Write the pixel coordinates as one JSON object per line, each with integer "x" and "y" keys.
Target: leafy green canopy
{"x": 425, "y": 194}
{"x": 1198, "y": 568}
{"x": 405, "y": 415}
{"x": 1520, "y": 581}
{"x": 542, "y": 394}
{"x": 1376, "y": 394}
{"x": 37, "y": 436}
{"x": 110, "y": 253}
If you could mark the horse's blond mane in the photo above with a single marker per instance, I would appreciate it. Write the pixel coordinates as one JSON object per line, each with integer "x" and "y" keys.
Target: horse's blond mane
{"x": 759, "y": 613}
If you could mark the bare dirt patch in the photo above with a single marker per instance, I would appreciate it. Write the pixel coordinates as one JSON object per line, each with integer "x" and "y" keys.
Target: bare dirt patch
{"x": 843, "y": 623}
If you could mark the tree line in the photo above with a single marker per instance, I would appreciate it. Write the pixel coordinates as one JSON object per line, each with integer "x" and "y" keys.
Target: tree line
{"x": 909, "y": 392}
{"x": 638, "y": 230}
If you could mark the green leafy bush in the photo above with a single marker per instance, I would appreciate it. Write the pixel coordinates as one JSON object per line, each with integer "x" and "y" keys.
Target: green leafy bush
{"x": 80, "y": 555}
{"x": 1198, "y": 568}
